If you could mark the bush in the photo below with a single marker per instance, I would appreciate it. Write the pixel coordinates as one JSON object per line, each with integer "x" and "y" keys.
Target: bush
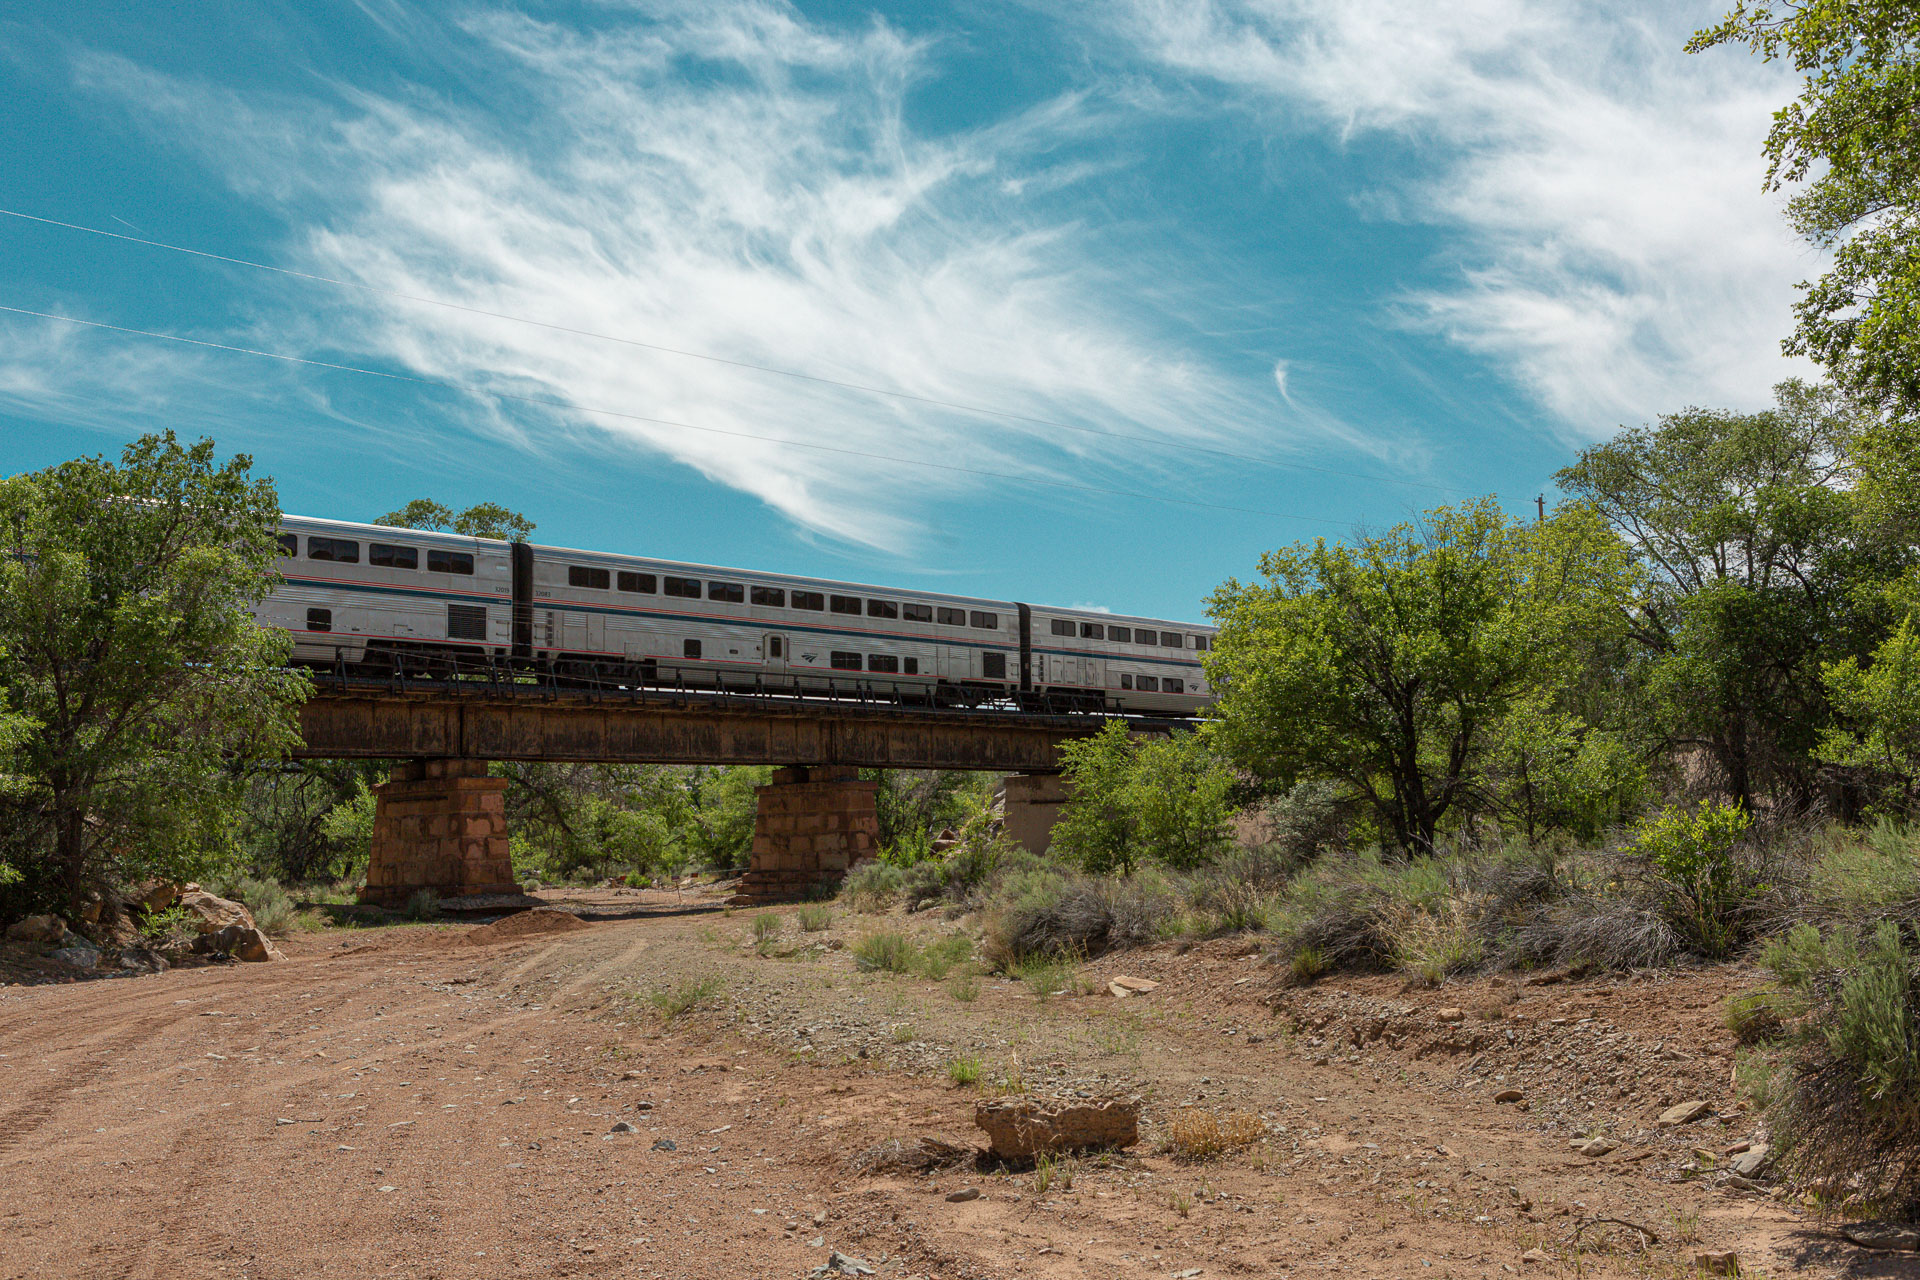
{"x": 872, "y": 886}
{"x": 1047, "y": 913}
{"x": 1706, "y": 894}
{"x": 1848, "y": 1112}
{"x": 815, "y": 917}
{"x": 966, "y": 874}
{"x": 1158, "y": 798}
{"x": 889, "y": 951}
{"x": 270, "y": 905}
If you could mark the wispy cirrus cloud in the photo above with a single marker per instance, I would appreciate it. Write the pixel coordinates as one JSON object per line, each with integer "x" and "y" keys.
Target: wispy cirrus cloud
{"x": 731, "y": 179}
{"x": 1614, "y": 253}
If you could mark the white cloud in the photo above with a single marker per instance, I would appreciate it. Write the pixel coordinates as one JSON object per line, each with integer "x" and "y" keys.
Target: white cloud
{"x": 1616, "y": 255}
{"x": 727, "y": 179}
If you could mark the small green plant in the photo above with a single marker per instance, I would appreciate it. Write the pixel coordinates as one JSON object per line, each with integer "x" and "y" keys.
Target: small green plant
{"x": 1051, "y": 1171}
{"x": 423, "y": 905}
{"x": 676, "y": 1001}
{"x": 889, "y": 951}
{"x": 1754, "y": 1076}
{"x": 1181, "y": 1203}
{"x": 171, "y": 927}
{"x": 940, "y": 956}
{"x": 1308, "y": 964}
{"x": 766, "y": 927}
{"x": 964, "y": 1072}
{"x": 815, "y": 917}
{"x": 964, "y": 987}
{"x": 903, "y": 1033}
{"x": 1048, "y": 975}
{"x": 1760, "y": 1017}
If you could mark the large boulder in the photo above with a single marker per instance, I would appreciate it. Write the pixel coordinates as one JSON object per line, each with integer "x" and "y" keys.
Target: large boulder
{"x": 48, "y": 930}
{"x": 212, "y": 913}
{"x": 154, "y": 895}
{"x": 241, "y": 941}
{"x": 1018, "y": 1129}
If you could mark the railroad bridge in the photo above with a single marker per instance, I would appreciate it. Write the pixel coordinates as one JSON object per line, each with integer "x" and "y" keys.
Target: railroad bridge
{"x": 440, "y": 821}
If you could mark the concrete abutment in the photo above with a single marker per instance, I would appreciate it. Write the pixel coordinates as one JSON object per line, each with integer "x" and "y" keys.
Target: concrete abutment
{"x": 1033, "y": 805}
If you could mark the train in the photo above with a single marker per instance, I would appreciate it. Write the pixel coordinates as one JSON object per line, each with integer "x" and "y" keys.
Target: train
{"x": 367, "y": 600}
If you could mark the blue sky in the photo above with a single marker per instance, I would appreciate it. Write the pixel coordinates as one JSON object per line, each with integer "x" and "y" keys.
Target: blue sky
{"x": 1222, "y": 274}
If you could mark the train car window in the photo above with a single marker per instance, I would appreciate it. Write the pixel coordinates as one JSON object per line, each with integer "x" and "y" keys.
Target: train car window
{"x": 640, "y": 584}
{"x": 1202, "y": 643}
{"x": 953, "y": 617}
{"x": 1171, "y": 639}
{"x": 1062, "y": 627}
{"x": 1093, "y": 631}
{"x": 1126, "y": 681}
{"x": 772, "y": 597}
{"x": 289, "y": 544}
{"x": 809, "y": 600}
{"x": 1170, "y": 685}
{"x": 685, "y": 588}
{"x": 885, "y": 662}
{"x": 917, "y": 612}
{"x": 1146, "y": 637}
{"x": 383, "y": 555}
{"x": 579, "y": 575}
{"x": 727, "y": 592}
{"x": 338, "y": 550}
{"x": 843, "y": 604}
{"x": 840, "y": 660}
{"x": 466, "y": 622}
{"x": 1122, "y": 635}
{"x": 689, "y": 648}
{"x": 985, "y": 621}
{"x": 319, "y": 619}
{"x": 1149, "y": 684}
{"x": 993, "y": 666}
{"x": 912, "y": 667}
{"x": 462, "y": 562}
{"x": 774, "y": 647}
{"x": 882, "y": 609}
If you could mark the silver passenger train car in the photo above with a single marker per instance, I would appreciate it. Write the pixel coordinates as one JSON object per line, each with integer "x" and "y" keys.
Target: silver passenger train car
{"x": 368, "y": 598}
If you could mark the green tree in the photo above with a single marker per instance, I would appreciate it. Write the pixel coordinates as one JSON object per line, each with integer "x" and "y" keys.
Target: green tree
{"x": 128, "y": 647}
{"x": 1757, "y": 573}
{"x": 1134, "y": 798}
{"x": 1389, "y": 666}
{"x": 482, "y": 520}
{"x": 1848, "y": 142}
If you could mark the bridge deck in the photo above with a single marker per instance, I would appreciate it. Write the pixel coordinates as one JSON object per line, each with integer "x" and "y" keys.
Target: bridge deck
{"x": 350, "y": 717}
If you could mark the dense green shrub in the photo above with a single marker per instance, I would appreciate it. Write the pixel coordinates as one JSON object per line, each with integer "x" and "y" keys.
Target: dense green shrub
{"x": 1705, "y": 891}
{"x": 1163, "y": 800}
{"x": 872, "y": 886}
{"x": 1048, "y": 912}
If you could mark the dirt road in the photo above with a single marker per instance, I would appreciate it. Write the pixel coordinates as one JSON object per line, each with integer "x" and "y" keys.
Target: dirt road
{"x": 402, "y": 1102}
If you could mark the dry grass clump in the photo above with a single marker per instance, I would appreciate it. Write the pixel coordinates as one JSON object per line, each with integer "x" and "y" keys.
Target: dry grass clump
{"x": 1047, "y": 913}
{"x": 815, "y": 917}
{"x": 872, "y": 887}
{"x": 1196, "y": 1134}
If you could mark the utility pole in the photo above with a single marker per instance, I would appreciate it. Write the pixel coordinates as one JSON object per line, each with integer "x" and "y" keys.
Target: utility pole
{"x": 1540, "y": 506}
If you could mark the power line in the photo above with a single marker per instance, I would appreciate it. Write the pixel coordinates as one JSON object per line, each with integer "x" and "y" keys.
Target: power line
{"x": 956, "y": 405}
{"x": 547, "y": 402}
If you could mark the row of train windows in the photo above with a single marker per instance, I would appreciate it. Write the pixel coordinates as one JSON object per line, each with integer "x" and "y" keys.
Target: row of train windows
{"x": 380, "y": 555}
{"x": 647, "y": 584}
{"x": 1153, "y": 684}
{"x": 1124, "y": 635}
{"x": 464, "y": 621}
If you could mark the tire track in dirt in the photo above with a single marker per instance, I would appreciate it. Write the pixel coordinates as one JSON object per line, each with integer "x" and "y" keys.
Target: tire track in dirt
{"x": 37, "y": 1105}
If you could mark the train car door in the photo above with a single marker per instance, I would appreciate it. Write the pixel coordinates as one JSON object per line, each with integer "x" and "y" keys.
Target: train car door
{"x": 773, "y": 652}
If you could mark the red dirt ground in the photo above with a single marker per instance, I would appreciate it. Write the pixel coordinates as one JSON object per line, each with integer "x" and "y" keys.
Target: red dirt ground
{"x": 394, "y": 1102}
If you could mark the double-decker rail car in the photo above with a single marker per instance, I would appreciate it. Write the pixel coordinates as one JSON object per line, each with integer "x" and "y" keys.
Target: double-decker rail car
{"x": 367, "y": 597}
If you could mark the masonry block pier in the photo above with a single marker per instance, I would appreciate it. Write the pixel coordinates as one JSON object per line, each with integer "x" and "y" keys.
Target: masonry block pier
{"x": 440, "y": 825}
{"x": 812, "y": 826}
{"x": 1034, "y": 802}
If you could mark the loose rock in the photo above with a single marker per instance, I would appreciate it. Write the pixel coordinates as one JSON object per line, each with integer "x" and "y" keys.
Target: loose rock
{"x": 621, "y": 1126}
{"x": 212, "y": 913}
{"x": 1751, "y": 1161}
{"x": 665, "y": 1144}
{"x": 49, "y": 930}
{"x": 1538, "y": 1256}
{"x": 1020, "y": 1128}
{"x": 1884, "y": 1235}
{"x": 963, "y": 1195}
{"x": 1718, "y": 1264}
{"x": 1508, "y": 1095}
{"x": 838, "y": 1263}
{"x": 1122, "y": 986}
{"x": 1683, "y": 1113}
{"x": 1452, "y": 1015}
{"x": 1592, "y": 1148}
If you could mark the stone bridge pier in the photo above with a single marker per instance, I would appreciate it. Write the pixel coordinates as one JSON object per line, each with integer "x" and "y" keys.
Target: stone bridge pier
{"x": 438, "y": 825}
{"x": 812, "y": 825}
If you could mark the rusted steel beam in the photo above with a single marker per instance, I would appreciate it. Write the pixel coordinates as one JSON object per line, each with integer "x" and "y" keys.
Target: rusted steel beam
{"x": 556, "y": 727}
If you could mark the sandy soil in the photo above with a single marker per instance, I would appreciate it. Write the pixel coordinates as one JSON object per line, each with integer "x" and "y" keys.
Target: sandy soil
{"x": 429, "y": 1102}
